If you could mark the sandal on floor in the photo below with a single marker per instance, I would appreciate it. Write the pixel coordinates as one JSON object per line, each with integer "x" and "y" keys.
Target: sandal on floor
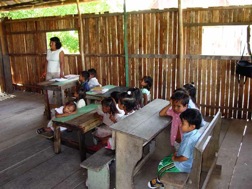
{"x": 40, "y": 131}
{"x": 48, "y": 135}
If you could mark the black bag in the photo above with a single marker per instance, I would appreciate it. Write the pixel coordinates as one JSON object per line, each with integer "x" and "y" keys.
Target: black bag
{"x": 244, "y": 68}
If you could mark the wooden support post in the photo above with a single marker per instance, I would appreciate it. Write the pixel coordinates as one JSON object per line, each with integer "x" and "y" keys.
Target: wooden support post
{"x": 5, "y": 63}
{"x": 180, "y": 38}
{"x": 81, "y": 37}
{"x": 126, "y": 44}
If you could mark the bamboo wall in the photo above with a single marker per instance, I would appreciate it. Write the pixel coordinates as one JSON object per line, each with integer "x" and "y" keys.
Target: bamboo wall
{"x": 152, "y": 47}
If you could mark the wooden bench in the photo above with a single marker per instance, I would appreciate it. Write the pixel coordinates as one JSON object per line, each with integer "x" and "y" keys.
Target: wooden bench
{"x": 205, "y": 157}
{"x": 132, "y": 134}
{"x": 97, "y": 166}
{"x": 83, "y": 121}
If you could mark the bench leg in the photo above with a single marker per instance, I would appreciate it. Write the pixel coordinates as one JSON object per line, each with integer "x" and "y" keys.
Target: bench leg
{"x": 82, "y": 146}
{"x": 57, "y": 139}
{"x": 100, "y": 179}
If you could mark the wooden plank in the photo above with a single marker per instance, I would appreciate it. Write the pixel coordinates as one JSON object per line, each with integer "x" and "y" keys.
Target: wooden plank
{"x": 242, "y": 177}
{"x": 26, "y": 160}
{"x": 48, "y": 173}
{"x": 13, "y": 155}
{"x": 98, "y": 160}
{"x": 75, "y": 180}
{"x": 138, "y": 122}
{"x": 228, "y": 154}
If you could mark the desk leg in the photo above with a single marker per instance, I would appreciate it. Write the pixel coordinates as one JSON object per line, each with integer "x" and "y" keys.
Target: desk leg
{"x": 128, "y": 152}
{"x": 47, "y": 105}
{"x": 57, "y": 139}
{"x": 82, "y": 145}
{"x": 162, "y": 147}
{"x": 63, "y": 100}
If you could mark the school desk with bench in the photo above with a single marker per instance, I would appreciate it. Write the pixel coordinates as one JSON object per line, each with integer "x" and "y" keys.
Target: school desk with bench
{"x": 104, "y": 92}
{"x": 57, "y": 86}
{"x": 83, "y": 121}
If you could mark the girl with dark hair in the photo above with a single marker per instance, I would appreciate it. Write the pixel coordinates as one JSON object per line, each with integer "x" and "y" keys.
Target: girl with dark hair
{"x": 137, "y": 94}
{"x": 146, "y": 84}
{"x": 109, "y": 115}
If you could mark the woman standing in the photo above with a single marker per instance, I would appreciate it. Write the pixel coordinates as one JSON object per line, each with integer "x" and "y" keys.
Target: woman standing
{"x": 54, "y": 67}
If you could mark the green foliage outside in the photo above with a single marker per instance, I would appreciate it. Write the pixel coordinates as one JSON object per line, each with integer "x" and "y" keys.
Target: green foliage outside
{"x": 90, "y": 7}
{"x": 69, "y": 40}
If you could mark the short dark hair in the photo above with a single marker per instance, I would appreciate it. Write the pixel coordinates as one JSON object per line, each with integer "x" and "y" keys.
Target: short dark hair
{"x": 71, "y": 103}
{"x": 85, "y": 74}
{"x": 128, "y": 100}
{"x": 137, "y": 94}
{"x": 192, "y": 116}
{"x": 92, "y": 71}
{"x": 182, "y": 96}
{"x": 115, "y": 95}
{"x": 57, "y": 42}
{"x": 149, "y": 81}
{"x": 191, "y": 90}
{"x": 110, "y": 102}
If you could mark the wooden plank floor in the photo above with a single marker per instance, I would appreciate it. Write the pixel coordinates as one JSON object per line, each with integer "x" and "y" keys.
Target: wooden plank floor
{"x": 28, "y": 160}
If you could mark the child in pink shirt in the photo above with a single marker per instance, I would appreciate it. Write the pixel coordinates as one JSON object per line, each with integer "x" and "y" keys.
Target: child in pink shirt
{"x": 179, "y": 103}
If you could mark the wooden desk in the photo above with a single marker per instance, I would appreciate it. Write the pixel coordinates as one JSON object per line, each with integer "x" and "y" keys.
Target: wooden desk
{"x": 134, "y": 132}
{"x": 83, "y": 121}
{"x": 56, "y": 86}
{"x": 97, "y": 96}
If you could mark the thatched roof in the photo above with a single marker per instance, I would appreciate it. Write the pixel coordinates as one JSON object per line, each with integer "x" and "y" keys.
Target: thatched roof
{"x": 8, "y": 5}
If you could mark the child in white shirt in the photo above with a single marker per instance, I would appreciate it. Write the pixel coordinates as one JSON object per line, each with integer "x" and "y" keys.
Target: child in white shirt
{"x": 146, "y": 84}
{"x": 93, "y": 81}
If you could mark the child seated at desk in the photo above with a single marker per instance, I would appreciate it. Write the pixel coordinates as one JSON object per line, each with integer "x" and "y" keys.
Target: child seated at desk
{"x": 109, "y": 115}
{"x": 182, "y": 160}
{"x": 179, "y": 103}
{"x": 68, "y": 109}
{"x": 93, "y": 81}
{"x": 137, "y": 94}
{"x": 146, "y": 84}
{"x": 116, "y": 95}
{"x": 127, "y": 102}
{"x": 81, "y": 89}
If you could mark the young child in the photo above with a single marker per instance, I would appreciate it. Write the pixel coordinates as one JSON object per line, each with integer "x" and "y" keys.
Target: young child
{"x": 191, "y": 89}
{"x": 179, "y": 103}
{"x": 127, "y": 103}
{"x": 137, "y": 94}
{"x": 182, "y": 160}
{"x": 68, "y": 109}
{"x": 116, "y": 95}
{"x": 93, "y": 81}
{"x": 109, "y": 115}
{"x": 146, "y": 84}
{"x": 81, "y": 89}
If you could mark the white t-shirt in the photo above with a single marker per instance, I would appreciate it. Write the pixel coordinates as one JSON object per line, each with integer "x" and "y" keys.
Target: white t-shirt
{"x": 147, "y": 92}
{"x": 93, "y": 82}
{"x": 59, "y": 111}
{"x": 53, "y": 60}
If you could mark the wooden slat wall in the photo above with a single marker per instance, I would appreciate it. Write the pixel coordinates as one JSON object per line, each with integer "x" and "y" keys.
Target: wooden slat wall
{"x": 152, "y": 43}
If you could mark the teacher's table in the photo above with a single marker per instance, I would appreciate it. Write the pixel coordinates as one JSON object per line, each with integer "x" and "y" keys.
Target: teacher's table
{"x": 56, "y": 86}
{"x": 133, "y": 133}
{"x": 93, "y": 95}
{"x": 83, "y": 121}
